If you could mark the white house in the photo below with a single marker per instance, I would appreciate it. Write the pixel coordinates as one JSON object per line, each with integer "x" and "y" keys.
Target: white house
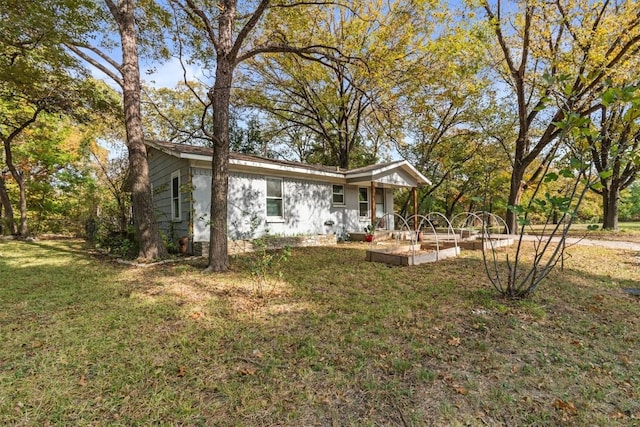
{"x": 266, "y": 195}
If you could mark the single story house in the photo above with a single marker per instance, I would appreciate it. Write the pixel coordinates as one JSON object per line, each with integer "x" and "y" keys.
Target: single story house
{"x": 271, "y": 196}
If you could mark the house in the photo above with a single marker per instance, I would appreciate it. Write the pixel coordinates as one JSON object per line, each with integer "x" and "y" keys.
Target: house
{"x": 266, "y": 195}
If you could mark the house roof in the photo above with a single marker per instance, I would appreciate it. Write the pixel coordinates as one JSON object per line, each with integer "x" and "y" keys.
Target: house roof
{"x": 204, "y": 153}
{"x": 381, "y": 172}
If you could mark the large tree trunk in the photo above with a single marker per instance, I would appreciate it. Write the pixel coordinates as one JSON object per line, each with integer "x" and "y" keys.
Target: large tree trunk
{"x": 147, "y": 231}
{"x": 610, "y": 202}
{"x": 9, "y": 224}
{"x": 220, "y": 97}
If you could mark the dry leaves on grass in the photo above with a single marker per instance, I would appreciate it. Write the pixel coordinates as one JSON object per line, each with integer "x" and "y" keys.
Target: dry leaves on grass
{"x": 448, "y": 379}
{"x": 460, "y": 389}
{"x": 565, "y": 406}
{"x": 182, "y": 371}
{"x": 454, "y": 342}
{"x": 247, "y": 371}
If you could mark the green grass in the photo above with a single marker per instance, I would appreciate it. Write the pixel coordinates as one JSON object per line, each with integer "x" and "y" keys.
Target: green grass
{"x": 336, "y": 341}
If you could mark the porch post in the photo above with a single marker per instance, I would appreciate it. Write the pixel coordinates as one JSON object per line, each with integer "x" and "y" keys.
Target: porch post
{"x": 373, "y": 202}
{"x": 414, "y": 194}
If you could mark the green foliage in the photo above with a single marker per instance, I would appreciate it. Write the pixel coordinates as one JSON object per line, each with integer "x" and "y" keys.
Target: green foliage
{"x": 556, "y": 198}
{"x": 266, "y": 266}
{"x": 120, "y": 244}
{"x": 370, "y": 229}
{"x": 630, "y": 203}
{"x": 343, "y": 108}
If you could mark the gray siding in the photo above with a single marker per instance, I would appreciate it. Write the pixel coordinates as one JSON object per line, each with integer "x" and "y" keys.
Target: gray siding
{"x": 307, "y": 208}
{"x": 161, "y": 166}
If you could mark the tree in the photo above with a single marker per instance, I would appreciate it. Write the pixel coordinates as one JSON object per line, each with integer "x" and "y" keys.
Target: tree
{"x": 127, "y": 75}
{"x": 554, "y": 59}
{"x": 112, "y": 176}
{"x": 9, "y": 225}
{"x": 230, "y": 33}
{"x": 515, "y": 274}
{"x": 614, "y": 143}
{"x": 36, "y": 78}
{"x": 448, "y": 119}
{"x": 42, "y": 154}
{"x": 630, "y": 203}
{"x": 176, "y": 115}
{"x": 349, "y": 108}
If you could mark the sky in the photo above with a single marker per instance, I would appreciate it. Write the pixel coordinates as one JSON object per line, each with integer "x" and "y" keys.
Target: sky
{"x": 156, "y": 75}
{"x": 167, "y": 74}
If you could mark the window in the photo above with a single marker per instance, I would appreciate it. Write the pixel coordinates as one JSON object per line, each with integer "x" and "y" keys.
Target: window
{"x": 380, "y": 211}
{"x": 338, "y": 195}
{"x": 363, "y": 197}
{"x": 176, "y": 214}
{"x": 274, "y": 198}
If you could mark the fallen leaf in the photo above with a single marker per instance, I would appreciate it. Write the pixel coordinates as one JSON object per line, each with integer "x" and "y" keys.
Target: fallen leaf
{"x": 195, "y": 315}
{"x": 565, "y": 406}
{"x": 625, "y": 360}
{"x": 617, "y": 415}
{"x": 36, "y": 344}
{"x": 247, "y": 371}
{"x": 182, "y": 371}
{"x": 83, "y": 381}
{"x": 446, "y": 377}
{"x": 257, "y": 354}
{"x": 454, "y": 341}
{"x": 460, "y": 390}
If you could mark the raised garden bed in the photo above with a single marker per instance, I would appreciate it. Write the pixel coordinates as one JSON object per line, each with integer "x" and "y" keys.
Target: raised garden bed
{"x": 470, "y": 244}
{"x": 405, "y": 255}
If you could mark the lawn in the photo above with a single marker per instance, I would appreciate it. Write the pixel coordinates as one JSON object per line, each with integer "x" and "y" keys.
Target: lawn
{"x": 627, "y": 231}
{"x": 335, "y": 341}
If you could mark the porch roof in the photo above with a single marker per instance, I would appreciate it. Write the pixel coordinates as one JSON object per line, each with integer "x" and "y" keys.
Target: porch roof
{"x": 397, "y": 174}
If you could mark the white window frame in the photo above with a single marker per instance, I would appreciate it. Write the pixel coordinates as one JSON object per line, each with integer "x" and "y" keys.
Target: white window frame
{"x": 175, "y": 201}
{"x": 334, "y": 194}
{"x": 267, "y": 198}
{"x": 360, "y": 202}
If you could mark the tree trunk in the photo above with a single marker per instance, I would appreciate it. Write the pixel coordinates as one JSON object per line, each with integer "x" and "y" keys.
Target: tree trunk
{"x": 610, "y": 202}
{"x": 450, "y": 208}
{"x": 15, "y": 173}
{"x": 22, "y": 187}
{"x": 515, "y": 195}
{"x": 343, "y": 160}
{"x": 147, "y": 231}
{"x": 122, "y": 214}
{"x": 9, "y": 224}
{"x": 220, "y": 97}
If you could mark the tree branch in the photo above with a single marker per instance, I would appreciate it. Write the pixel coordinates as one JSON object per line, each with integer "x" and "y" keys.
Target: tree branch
{"x": 76, "y": 50}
